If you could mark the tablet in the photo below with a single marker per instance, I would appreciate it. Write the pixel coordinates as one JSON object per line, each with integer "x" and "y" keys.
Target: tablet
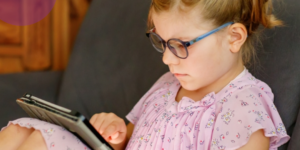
{"x": 69, "y": 119}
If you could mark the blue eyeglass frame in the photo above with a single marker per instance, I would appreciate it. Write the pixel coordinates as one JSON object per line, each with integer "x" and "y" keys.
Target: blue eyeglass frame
{"x": 187, "y": 43}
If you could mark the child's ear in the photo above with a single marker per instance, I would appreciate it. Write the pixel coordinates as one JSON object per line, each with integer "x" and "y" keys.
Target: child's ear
{"x": 238, "y": 36}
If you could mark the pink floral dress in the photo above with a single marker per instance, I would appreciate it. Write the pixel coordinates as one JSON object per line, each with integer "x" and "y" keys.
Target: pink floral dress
{"x": 56, "y": 137}
{"x": 224, "y": 120}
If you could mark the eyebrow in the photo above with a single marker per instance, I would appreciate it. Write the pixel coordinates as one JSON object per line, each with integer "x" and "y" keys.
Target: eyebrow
{"x": 181, "y": 38}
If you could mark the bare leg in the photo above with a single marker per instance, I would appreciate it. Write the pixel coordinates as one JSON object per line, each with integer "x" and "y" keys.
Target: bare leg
{"x": 34, "y": 142}
{"x": 13, "y": 136}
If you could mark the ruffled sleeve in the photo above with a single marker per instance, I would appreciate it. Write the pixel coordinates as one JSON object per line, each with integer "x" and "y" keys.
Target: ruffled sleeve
{"x": 245, "y": 112}
{"x": 134, "y": 115}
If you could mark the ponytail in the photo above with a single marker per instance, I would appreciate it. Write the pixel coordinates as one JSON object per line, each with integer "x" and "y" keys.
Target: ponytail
{"x": 262, "y": 14}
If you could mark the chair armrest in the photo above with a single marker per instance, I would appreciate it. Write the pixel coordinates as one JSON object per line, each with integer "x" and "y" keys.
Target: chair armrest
{"x": 12, "y": 86}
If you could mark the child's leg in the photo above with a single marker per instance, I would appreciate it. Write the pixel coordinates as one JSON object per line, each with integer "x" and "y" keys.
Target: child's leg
{"x": 42, "y": 135}
{"x": 34, "y": 142}
{"x": 13, "y": 136}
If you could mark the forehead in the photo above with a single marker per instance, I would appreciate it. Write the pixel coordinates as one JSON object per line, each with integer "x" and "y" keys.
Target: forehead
{"x": 176, "y": 24}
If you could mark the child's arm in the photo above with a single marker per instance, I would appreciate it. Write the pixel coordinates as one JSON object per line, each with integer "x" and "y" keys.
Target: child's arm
{"x": 122, "y": 145}
{"x": 257, "y": 141}
{"x": 130, "y": 128}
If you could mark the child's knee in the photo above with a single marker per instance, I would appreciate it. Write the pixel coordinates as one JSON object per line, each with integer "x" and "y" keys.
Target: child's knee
{"x": 13, "y": 136}
{"x": 34, "y": 142}
{"x": 18, "y": 130}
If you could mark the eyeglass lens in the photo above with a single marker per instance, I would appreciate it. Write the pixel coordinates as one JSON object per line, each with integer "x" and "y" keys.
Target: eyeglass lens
{"x": 175, "y": 46}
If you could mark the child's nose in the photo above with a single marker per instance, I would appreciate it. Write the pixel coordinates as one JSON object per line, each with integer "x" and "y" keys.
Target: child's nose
{"x": 169, "y": 58}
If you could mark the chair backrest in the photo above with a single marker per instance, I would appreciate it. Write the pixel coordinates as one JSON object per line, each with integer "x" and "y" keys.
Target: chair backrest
{"x": 280, "y": 67}
{"x": 113, "y": 63}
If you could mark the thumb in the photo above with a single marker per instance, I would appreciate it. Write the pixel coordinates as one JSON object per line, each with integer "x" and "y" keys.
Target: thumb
{"x": 117, "y": 138}
{"x": 115, "y": 134}
{"x": 109, "y": 131}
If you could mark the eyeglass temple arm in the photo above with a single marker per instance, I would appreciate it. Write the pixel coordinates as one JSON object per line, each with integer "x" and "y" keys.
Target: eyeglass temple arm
{"x": 208, "y": 33}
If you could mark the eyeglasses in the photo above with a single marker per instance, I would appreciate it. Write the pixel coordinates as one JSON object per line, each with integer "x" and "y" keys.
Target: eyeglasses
{"x": 177, "y": 47}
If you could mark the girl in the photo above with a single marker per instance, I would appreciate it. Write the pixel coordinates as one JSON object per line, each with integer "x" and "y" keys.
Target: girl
{"x": 208, "y": 100}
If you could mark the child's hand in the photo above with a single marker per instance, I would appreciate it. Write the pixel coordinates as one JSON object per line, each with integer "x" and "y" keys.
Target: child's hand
{"x": 110, "y": 126}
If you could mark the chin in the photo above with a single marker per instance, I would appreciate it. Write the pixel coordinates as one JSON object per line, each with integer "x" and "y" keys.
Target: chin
{"x": 189, "y": 87}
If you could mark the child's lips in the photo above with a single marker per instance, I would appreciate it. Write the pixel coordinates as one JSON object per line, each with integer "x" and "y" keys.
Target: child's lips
{"x": 180, "y": 75}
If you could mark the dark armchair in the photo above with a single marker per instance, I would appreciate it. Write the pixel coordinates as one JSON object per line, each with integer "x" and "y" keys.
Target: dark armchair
{"x": 113, "y": 64}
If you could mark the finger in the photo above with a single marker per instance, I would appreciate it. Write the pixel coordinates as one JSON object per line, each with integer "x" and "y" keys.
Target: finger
{"x": 105, "y": 124}
{"x": 114, "y": 136}
{"x": 117, "y": 138}
{"x": 96, "y": 116}
{"x": 110, "y": 130}
{"x": 115, "y": 132}
{"x": 98, "y": 122}
{"x": 109, "y": 118}
{"x": 93, "y": 119}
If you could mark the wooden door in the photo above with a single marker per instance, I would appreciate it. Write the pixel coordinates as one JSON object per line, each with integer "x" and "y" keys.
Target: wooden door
{"x": 45, "y": 45}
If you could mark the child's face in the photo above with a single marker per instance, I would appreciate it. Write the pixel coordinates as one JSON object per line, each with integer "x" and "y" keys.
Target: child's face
{"x": 209, "y": 60}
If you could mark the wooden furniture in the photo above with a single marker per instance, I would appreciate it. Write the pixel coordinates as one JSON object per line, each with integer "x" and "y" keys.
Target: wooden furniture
{"x": 45, "y": 45}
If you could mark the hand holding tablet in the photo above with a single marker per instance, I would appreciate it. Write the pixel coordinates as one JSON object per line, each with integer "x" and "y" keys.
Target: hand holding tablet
{"x": 110, "y": 126}
{"x": 74, "y": 122}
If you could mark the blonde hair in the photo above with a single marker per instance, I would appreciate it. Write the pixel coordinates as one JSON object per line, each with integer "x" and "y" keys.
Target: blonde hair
{"x": 250, "y": 13}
